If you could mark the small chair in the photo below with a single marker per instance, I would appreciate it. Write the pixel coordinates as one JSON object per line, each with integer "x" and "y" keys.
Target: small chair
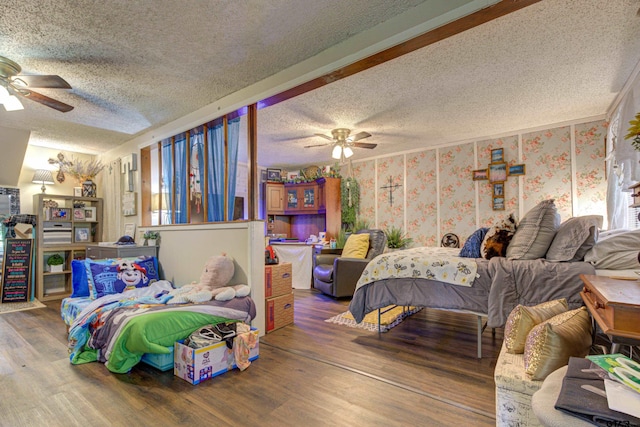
{"x": 337, "y": 276}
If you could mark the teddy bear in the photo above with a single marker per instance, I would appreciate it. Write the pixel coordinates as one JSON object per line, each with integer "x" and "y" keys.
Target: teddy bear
{"x": 214, "y": 283}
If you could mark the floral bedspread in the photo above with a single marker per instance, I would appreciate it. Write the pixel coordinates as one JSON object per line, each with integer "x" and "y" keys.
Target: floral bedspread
{"x": 434, "y": 263}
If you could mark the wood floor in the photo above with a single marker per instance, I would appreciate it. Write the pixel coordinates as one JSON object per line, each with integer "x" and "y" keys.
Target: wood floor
{"x": 313, "y": 373}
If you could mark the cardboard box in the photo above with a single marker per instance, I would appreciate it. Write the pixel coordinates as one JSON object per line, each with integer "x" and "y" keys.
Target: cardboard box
{"x": 199, "y": 364}
{"x": 277, "y": 280}
{"x": 279, "y": 312}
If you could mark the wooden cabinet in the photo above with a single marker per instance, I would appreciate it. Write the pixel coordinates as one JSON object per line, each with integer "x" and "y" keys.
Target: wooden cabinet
{"x": 274, "y": 192}
{"x": 120, "y": 251}
{"x": 300, "y": 210}
{"x": 64, "y": 226}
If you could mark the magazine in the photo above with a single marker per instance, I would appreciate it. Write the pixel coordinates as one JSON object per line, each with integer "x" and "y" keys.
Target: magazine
{"x": 620, "y": 367}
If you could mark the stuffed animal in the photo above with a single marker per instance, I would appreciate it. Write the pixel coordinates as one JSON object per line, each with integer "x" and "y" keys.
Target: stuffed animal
{"x": 214, "y": 283}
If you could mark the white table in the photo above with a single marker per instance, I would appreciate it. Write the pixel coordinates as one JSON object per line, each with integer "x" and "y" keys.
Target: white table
{"x": 300, "y": 255}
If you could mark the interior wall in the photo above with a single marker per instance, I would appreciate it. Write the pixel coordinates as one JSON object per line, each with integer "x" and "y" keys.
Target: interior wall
{"x": 184, "y": 250}
{"x": 433, "y": 191}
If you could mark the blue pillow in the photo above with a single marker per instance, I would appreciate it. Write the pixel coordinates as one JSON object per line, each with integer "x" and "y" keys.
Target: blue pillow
{"x": 118, "y": 275}
{"x": 79, "y": 282}
{"x": 471, "y": 248}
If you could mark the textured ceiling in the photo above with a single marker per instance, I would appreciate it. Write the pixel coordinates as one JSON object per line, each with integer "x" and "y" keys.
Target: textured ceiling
{"x": 136, "y": 65}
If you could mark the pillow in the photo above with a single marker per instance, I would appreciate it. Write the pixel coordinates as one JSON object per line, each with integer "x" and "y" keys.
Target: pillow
{"x": 574, "y": 238}
{"x": 522, "y": 319}
{"x": 617, "y": 252}
{"x": 550, "y": 344}
{"x": 357, "y": 246}
{"x": 471, "y": 248}
{"x": 535, "y": 232}
{"x": 87, "y": 272}
{"x": 497, "y": 239}
{"x": 79, "y": 283}
{"x": 119, "y": 275}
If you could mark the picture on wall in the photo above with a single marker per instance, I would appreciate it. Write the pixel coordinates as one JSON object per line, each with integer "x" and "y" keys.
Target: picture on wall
{"x": 497, "y": 155}
{"x": 480, "y": 175}
{"x": 516, "y": 170}
{"x": 83, "y": 234}
{"x": 498, "y": 189}
{"x": 498, "y": 203}
{"x": 497, "y": 172}
{"x": 90, "y": 214}
{"x": 273, "y": 174}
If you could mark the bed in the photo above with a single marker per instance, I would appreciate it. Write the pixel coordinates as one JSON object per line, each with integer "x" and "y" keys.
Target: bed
{"x": 119, "y": 328}
{"x": 540, "y": 260}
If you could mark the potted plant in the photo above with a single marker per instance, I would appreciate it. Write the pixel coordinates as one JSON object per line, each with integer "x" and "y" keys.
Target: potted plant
{"x": 396, "y": 239}
{"x": 150, "y": 237}
{"x": 55, "y": 263}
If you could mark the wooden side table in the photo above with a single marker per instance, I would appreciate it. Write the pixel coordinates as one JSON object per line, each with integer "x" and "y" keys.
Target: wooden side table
{"x": 615, "y": 306}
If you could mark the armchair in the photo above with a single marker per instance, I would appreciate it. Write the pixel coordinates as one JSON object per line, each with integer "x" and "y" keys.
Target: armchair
{"x": 337, "y": 276}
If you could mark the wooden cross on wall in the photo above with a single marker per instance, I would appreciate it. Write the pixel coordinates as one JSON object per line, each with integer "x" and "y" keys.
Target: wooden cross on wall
{"x": 390, "y": 186}
{"x": 497, "y": 172}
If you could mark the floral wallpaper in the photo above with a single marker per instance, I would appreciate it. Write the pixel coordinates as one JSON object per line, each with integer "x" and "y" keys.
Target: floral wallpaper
{"x": 589, "y": 176}
{"x": 457, "y": 191}
{"x": 441, "y": 196}
{"x": 365, "y": 174}
{"x": 547, "y": 155}
{"x": 391, "y": 200}
{"x": 422, "y": 198}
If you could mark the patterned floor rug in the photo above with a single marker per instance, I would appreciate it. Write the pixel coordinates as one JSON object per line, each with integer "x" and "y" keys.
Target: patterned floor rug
{"x": 10, "y": 307}
{"x": 392, "y": 317}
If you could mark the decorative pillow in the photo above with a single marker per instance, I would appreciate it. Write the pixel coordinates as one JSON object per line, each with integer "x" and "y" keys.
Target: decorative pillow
{"x": 357, "y": 246}
{"x": 550, "y": 344}
{"x": 574, "y": 238}
{"x": 471, "y": 248}
{"x": 79, "y": 283}
{"x": 617, "y": 252}
{"x": 497, "y": 239}
{"x": 87, "y": 271}
{"x": 122, "y": 274}
{"x": 535, "y": 232}
{"x": 522, "y": 319}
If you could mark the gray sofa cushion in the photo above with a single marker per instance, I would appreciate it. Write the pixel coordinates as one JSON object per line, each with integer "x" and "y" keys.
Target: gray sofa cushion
{"x": 535, "y": 232}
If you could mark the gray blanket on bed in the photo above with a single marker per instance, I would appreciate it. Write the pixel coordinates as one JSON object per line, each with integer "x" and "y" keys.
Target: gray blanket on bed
{"x": 502, "y": 285}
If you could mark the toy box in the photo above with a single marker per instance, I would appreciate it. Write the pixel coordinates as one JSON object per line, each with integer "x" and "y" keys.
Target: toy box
{"x": 199, "y": 364}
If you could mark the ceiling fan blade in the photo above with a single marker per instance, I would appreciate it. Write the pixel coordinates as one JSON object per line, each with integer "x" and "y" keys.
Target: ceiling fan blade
{"x": 50, "y": 82}
{"x": 44, "y": 100}
{"x": 316, "y": 145}
{"x": 324, "y": 136}
{"x": 360, "y": 135}
{"x": 364, "y": 145}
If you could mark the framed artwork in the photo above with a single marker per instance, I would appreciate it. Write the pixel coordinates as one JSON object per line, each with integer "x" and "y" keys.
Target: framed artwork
{"x": 77, "y": 191}
{"x": 292, "y": 175}
{"x": 130, "y": 230}
{"x": 498, "y": 203}
{"x": 516, "y": 170}
{"x": 89, "y": 213}
{"x": 274, "y": 174}
{"x": 498, "y": 189}
{"x": 78, "y": 214}
{"x": 83, "y": 234}
{"x": 497, "y": 155}
{"x": 498, "y": 172}
{"x": 480, "y": 175}
{"x": 129, "y": 204}
{"x": 263, "y": 175}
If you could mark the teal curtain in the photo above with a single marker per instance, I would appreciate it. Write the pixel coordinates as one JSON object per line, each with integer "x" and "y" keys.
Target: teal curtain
{"x": 197, "y": 161}
{"x": 233, "y": 128}
{"x": 215, "y": 173}
{"x": 167, "y": 179}
{"x": 182, "y": 185}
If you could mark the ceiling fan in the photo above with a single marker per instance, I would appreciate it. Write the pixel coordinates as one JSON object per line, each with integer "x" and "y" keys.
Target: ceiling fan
{"x": 343, "y": 142}
{"x": 14, "y": 85}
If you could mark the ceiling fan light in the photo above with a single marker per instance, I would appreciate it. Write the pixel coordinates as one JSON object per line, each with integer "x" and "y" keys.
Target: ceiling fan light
{"x": 337, "y": 152}
{"x": 12, "y": 103}
{"x": 348, "y": 152}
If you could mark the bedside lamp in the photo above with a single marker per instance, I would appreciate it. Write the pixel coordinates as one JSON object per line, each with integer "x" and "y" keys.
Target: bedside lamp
{"x": 42, "y": 176}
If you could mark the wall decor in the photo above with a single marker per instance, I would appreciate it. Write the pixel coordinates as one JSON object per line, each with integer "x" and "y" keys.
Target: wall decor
{"x": 273, "y": 174}
{"x": 498, "y": 203}
{"x": 129, "y": 204}
{"x": 90, "y": 214}
{"x": 498, "y": 189}
{"x": 127, "y": 166}
{"x": 480, "y": 174}
{"x": 515, "y": 170}
{"x": 77, "y": 191}
{"x": 83, "y": 234}
{"x": 498, "y": 172}
{"x": 497, "y": 155}
{"x": 78, "y": 214}
{"x": 130, "y": 229}
{"x": 390, "y": 186}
